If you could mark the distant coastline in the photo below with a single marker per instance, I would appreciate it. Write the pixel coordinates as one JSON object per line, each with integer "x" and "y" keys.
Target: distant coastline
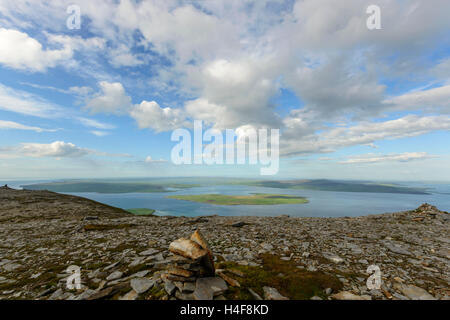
{"x": 170, "y": 184}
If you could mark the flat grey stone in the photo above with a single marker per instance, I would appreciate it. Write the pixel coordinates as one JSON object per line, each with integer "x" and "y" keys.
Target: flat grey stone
{"x": 397, "y": 249}
{"x": 140, "y": 274}
{"x": 141, "y": 285}
{"x": 114, "y": 276}
{"x": 189, "y": 287}
{"x": 207, "y": 288}
{"x": 333, "y": 258}
{"x": 169, "y": 287}
{"x": 149, "y": 252}
{"x": 413, "y": 292}
{"x": 85, "y": 295}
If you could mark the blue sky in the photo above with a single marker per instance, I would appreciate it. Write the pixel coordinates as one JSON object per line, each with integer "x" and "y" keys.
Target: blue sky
{"x": 104, "y": 99}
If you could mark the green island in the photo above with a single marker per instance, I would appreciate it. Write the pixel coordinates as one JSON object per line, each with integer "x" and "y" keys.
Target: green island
{"x": 141, "y": 211}
{"x": 252, "y": 199}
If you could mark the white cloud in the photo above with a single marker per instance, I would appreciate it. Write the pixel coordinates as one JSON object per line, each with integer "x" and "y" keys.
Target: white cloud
{"x": 364, "y": 133}
{"x": 149, "y": 159}
{"x": 28, "y": 104}
{"x": 78, "y": 91}
{"x": 431, "y": 99}
{"x": 57, "y": 149}
{"x": 202, "y": 109}
{"x": 377, "y": 158}
{"x": 20, "y": 51}
{"x": 228, "y": 61}
{"x": 187, "y": 31}
{"x": 149, "y": 114}
{"x": 122, "y": 57}
{"x": 235, "y": 93}
{"x": 81, "y": 91}
{"x": 95, "y": 124}
{"x": 100, "y": 133}
{"x": 336, "y": 89}
{"x": 111, "y": 100}
{"x": 18, "y": 126}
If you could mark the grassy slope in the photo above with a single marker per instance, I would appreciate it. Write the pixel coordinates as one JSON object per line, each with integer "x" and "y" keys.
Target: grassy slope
{"x": 254, "y": 199}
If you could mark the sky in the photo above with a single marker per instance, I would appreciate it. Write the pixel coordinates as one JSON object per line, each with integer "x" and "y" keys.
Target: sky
{"x": 102, "y": 98}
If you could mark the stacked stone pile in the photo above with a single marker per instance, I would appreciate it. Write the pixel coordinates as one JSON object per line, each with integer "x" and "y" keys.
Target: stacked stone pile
{"x": 191, "y": 272}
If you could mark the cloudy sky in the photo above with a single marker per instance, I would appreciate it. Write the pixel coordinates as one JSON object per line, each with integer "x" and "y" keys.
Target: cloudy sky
{"x": 103, "y": 100}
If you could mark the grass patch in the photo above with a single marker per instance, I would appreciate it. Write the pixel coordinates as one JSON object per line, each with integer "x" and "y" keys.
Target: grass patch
{"x": 142, "y": 211}
{"x": 252, "y": 199}
{"x": 294, "y": 283}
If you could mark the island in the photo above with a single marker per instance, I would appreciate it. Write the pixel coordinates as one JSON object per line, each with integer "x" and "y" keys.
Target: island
{"x": 331, "y": 185}
{"x": 251, "y": 199}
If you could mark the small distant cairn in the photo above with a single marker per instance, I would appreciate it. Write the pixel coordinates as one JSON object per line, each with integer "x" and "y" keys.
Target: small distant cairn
{"x": 191, "y": 273}
{"x": 425, "y": 211}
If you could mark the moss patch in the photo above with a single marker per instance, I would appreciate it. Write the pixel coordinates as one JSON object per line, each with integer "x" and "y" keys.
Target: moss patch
{"x": 142, "y": 211}
{"x": 155, "y": 293}
{"x": 290, "y": 281}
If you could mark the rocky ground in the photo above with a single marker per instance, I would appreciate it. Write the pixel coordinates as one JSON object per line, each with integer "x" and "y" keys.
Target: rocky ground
{"x": 123, "y": 256}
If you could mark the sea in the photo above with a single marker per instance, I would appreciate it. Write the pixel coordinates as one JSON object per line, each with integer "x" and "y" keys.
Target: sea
{"x": 321, "y": 203}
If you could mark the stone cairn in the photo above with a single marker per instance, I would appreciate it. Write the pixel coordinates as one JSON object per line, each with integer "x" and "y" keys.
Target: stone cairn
{"x": 191, "y": 273}
{"x": 426, "y": 211}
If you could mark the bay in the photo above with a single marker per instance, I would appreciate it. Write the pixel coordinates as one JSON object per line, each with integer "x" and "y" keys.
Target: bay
{"x": 321, "y": 203}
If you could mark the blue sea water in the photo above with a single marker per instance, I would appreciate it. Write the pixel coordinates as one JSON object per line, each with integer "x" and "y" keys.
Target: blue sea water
{"x": 321, "y": 203}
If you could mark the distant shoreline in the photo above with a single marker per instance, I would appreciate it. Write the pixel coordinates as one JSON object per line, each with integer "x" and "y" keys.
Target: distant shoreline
{"x": 171, "y": 185}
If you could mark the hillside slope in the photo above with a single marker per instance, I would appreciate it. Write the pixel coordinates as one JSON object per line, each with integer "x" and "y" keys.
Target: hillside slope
{"x": 43, "y": 233}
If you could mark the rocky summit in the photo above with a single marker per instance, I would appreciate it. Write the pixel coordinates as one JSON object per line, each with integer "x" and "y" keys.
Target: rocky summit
{"x": 45, "y": 236}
